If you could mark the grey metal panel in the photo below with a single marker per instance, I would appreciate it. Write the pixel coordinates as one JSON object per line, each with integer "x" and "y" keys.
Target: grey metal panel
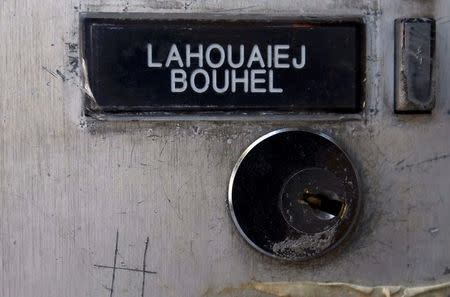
{"x": 68, "y": 185}
{"x": 414, "y": 64}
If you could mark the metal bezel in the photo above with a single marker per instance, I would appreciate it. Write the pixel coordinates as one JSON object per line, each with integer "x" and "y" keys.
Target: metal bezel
{"x": 236, "y": 168}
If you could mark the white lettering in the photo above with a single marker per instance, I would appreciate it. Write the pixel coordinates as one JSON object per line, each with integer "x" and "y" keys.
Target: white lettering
{"x": 303, "y": 59}
{"x": 277, "y": 55}
{"x": 181, "y": 78}
{"x": 235, "y": 80}
{"x": 208, "y": 55}
{"x": 205, "y": 76}
{"x": 150, "y": 62}
{"x": 271, "y": 87}
{"x": 238, "y": 73}
{"x": 269, "y": 56}
{"x": 174, "y": 55}
{"x": 230, "y": 56}
{"x": 254, "y": 80}
{"x": 190, "y": 55}
{"x": 255, "y": 56}
{"x": 226, "y": 83}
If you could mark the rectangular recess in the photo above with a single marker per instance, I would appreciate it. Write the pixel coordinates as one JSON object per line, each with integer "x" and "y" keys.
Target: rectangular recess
{"x": 414, "y": 63}
{"x": 140, "y": 65}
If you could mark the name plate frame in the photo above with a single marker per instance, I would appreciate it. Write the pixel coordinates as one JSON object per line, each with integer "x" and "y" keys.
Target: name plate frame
{"x": 96, "y": 108}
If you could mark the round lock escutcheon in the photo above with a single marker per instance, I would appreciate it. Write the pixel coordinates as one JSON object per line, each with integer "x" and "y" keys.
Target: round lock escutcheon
{"x": 294, "y": 194}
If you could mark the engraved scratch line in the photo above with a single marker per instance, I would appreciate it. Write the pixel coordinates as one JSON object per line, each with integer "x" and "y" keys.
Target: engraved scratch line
{"x": 437, "y": 158}
{"x": 114, "y": 265}
{"x": 143, "y": 267}
{"x": 125, "y": 268}
{"x": 49, "y": 71}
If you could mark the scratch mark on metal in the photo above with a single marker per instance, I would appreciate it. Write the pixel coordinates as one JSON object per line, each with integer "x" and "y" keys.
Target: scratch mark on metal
{"x": 170, "y": 203}
{"x": 437, "y": 158}
{"x": 57, "y": 74}
{"x": 61, "y": 75}
{"x": 162, "y": 149}
{"x": 143, "y": 267}
{"x": 239, "y": 8}
{"x": 125, "y": 268}
{"x": 132, "y": 152}
{"x": 49, "y": 71}
{"x": 114, "y": 265}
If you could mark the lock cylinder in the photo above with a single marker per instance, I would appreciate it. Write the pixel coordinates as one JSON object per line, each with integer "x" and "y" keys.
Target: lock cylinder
{"x": 294, "y": 194}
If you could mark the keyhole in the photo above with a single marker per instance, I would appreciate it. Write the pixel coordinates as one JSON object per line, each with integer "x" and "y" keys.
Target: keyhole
{"x": 323, "y": 205}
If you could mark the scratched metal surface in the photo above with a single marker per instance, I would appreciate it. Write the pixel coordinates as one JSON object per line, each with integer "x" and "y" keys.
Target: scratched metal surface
{"x": 79, "y": 197}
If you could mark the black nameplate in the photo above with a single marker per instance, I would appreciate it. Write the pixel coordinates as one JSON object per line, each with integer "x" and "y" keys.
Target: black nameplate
{"x": 197, "y": 65}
